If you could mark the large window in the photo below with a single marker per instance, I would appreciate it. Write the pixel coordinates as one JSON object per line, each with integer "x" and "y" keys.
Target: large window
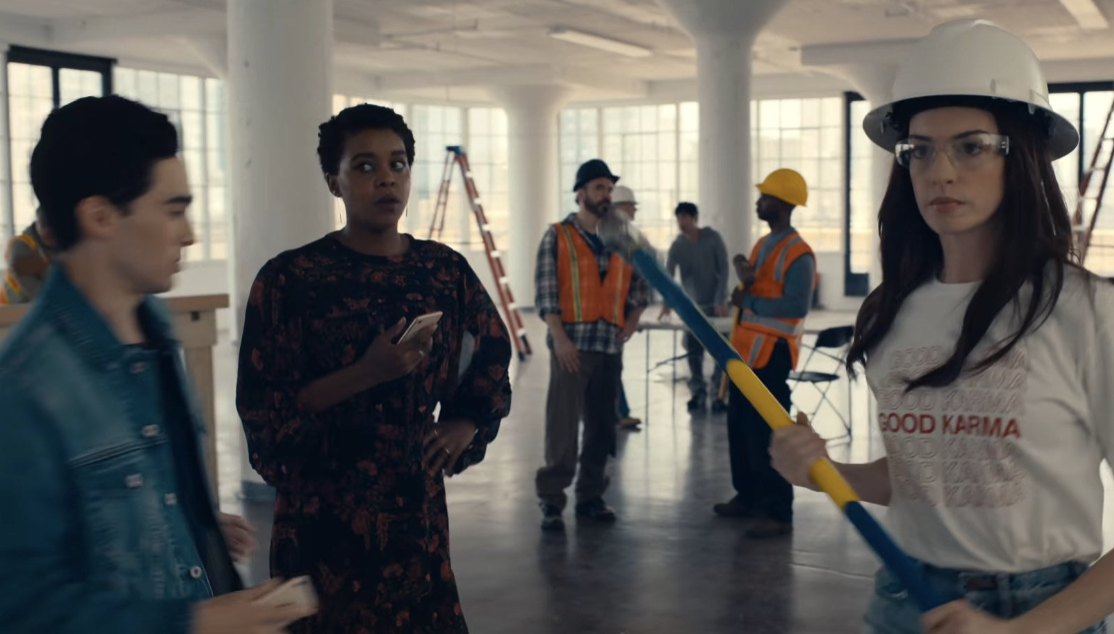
{"x": 805, "y": 135}
{"x": 38, "y": 82}
{"x": 579, "y": 141}
{"x": 640, "y": 143}
{"x": 196, "y": 107}
{"x": 655, "y": 149}
{"x": 487, "y": 155}
{"x": 652, "y": 148}
{"x": 435, "y": 127}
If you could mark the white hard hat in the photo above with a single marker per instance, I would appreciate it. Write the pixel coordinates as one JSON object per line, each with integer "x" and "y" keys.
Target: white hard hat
{"x": 622, "y": 194}
{"x": 971, "y": 58}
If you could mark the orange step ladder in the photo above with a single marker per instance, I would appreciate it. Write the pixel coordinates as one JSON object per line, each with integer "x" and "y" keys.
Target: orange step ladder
{"x": 1093, "y": 188}
{"x": 455, "y": 154}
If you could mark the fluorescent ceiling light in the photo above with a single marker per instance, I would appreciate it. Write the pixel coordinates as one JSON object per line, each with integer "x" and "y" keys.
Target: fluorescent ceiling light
{"x": 600, "y": 43}
{"x": 1087, "y": 14}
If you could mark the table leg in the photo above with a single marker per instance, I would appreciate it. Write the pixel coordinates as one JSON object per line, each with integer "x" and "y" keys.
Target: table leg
{"x": 199, "y": 365}
{"x": 647, "y": 379}
{"x": 674, "y": 390}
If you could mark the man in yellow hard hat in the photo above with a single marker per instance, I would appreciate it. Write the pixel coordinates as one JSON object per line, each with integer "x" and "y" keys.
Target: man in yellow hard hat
{"x": 28, "y": 257}
{"x": 774, "y": 295}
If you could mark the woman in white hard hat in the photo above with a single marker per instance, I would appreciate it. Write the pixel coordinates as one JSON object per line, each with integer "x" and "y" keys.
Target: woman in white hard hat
{"x": 989, "y": 350}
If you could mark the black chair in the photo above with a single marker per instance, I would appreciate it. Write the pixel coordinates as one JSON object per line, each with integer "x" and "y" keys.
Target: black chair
{"x": 830, "y": 345}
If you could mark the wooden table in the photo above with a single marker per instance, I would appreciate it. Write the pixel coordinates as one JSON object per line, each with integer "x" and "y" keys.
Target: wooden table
{"x": 195, "y": 325}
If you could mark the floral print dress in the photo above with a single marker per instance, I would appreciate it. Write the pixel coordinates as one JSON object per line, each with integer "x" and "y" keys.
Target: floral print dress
{"x": 354, "y": 509}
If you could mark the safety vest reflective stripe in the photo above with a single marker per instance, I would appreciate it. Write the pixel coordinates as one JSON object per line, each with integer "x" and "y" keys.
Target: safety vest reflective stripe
{"x": 755, "y": 336}
{"x": 781, "y": 327}
{"x": 755, "y": 350}
{"x": 577, "y": 305}
{"x": 780, "y": 268}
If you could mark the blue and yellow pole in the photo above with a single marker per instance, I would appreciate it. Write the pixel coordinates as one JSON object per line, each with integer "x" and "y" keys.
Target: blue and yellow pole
{"x": 625, "y": 240}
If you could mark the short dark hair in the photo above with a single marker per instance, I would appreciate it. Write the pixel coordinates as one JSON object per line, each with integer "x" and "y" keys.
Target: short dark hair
{"x": 96, "y": 146}
{"x": 332, "y": 134}
{"x": 687, "y": 209}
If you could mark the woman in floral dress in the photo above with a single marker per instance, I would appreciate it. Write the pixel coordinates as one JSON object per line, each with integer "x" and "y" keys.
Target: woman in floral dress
{"x": 343, "y": 421}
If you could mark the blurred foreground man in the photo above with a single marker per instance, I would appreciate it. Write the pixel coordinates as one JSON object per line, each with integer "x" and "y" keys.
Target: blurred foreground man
{"x": 109, "y": 523}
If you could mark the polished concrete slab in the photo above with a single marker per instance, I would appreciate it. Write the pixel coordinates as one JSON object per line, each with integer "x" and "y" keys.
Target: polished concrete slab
{"x": 669, "y": 565}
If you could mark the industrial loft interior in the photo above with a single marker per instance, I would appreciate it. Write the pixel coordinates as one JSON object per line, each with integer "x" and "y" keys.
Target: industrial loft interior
{"x": 632, "y": 240}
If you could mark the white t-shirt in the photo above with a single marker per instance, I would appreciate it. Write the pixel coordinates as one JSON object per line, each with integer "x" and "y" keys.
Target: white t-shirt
{"x": 999, "y": 471}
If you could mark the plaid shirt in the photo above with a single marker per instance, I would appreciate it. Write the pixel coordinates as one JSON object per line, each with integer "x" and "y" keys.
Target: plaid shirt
{"x": 598, "y": 336}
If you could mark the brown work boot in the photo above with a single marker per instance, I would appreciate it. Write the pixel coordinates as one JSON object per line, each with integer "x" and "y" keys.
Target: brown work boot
{"x": 735, "y": 508}
{"x": 764, "y": 528}
{"x": 629, "y": 422}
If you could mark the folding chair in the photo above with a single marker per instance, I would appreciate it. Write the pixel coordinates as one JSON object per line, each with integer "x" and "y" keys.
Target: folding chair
{"x": 834, "y": 340}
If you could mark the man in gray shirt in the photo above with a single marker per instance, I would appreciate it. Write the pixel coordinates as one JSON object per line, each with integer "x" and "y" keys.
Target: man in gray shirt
{"x": 702, "y": 257}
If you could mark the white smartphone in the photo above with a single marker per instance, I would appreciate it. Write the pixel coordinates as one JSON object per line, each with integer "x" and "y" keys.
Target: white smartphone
{"x": 297, "y": 591}
{"x": 419, "y": 324}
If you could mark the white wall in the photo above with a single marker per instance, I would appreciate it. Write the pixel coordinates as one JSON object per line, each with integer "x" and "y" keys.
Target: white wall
{"x": 830, "y": 266}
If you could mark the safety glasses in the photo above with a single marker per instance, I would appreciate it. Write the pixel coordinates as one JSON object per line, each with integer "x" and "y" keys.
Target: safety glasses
{"x": 966, "y": 152}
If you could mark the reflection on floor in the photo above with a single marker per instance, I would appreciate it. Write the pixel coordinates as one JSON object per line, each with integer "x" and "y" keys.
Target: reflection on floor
{"x": 669, "y": 565}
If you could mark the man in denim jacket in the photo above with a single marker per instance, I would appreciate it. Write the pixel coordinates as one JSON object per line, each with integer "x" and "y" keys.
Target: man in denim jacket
{"x": 109, "y": 523}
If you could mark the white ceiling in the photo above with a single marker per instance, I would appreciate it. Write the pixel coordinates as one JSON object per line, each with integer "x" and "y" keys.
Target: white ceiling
{"x": 451, "y": 49}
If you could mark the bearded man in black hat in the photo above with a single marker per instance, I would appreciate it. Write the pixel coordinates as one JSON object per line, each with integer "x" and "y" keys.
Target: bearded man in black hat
{"x": 591, "y": 300}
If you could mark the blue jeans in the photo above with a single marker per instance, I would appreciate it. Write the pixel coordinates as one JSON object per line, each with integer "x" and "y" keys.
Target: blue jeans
{"x": 624, "y": 407}
{"x": 893, "y": 611}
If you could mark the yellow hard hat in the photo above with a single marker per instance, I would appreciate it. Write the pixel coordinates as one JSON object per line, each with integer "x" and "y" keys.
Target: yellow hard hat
{"x": 787, "y": 185}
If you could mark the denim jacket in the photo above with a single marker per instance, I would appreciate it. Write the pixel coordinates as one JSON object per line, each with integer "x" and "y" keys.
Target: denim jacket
{"x": 92, "y": 538}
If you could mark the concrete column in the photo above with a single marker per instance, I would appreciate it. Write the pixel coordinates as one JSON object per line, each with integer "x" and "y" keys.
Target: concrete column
{"x": 724, "y": 32}
{"x": 212, "y": 51}
{"x": 534, "y": 176}
{"x": 279, "y": 91}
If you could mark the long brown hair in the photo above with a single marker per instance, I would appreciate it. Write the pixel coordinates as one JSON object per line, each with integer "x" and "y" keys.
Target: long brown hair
{"x": 1035, "y": 246}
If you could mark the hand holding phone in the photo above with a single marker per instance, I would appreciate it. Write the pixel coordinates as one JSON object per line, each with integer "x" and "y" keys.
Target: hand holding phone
{"x": 295, "y": 592}
{"x": 419, "y": 324}
{"x": 260, "y": 609}
{"x": 396, "y": 353}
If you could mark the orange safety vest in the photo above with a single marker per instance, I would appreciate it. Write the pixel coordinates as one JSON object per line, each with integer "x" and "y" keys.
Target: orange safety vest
{"x": 12, "y": 291}
{"x": 753, "y": 336}
{"x": 585, "y": 298}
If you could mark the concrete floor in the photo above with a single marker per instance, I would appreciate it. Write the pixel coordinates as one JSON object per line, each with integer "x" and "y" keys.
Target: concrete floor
{"x": 669, "y": 565}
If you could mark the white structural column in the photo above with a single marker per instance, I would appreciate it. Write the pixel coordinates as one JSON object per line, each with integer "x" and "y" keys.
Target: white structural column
{"x": 279, "y": 91}
{"x": 724, "y": 32}
{"x": 532, "y": 153}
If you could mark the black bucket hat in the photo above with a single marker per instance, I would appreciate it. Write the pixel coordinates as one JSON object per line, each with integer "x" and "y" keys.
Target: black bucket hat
{"x": 590, "y": 171}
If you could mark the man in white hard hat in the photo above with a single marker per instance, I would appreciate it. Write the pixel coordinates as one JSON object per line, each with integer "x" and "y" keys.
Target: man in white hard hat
{"x": 772, "y": 300}
{"x": 623, "y": 200}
